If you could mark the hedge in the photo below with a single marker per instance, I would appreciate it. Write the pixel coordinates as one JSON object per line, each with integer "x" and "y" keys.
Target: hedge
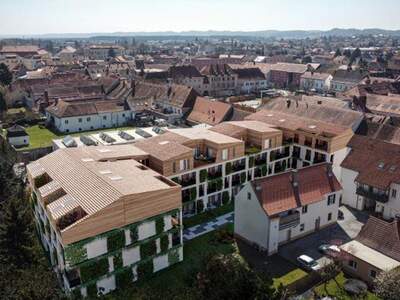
{"x": 94, "y": 269}
{"x": 228, "y": 168}
{"x": 160, "y": 224}
{"x": 145, "y": 269}
{"x": 134, "y": 234}
{"x": 164, "y": 242}
{"x": 124, "y": 278}
{"x": 148, "y": 249}
{"x": 203, "y": 175}
{"x": 116, "y": 241}
{"x": 173, "y": 257}
{"x": 75, "y": 254}
{"x": 118, "y": 262}
{"x": 225, "y": 197}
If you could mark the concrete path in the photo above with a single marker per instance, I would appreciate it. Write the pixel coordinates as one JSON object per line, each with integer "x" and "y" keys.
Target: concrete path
{"x": 198, "y": 230}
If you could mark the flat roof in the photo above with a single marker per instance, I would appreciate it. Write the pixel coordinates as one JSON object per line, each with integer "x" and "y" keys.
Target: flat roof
{"x": 370, "y": 255}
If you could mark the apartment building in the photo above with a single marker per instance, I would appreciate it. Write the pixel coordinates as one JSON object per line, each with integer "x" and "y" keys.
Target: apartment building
{"x": 75, "y": 115}
{"x": 275, "y": 210}
{"x": 250, "y": 80}
{"x": 371, "y": 176}
{"x": 320, "y": 82}
{"x": 220, "y": 80}
{"x": 104, "y": 218}
{"x": 187, "y": 75}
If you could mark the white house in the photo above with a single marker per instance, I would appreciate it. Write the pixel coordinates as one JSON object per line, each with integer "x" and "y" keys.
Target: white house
{"x": 315, "y": 81}
{"x": 87, "y": 114}
{"x": 67, "y": 55}
{"x": 250, "y": 80}
{"x": 17, "y": 136}
{"x": 274, "y": 210}
{"x": 371, "y": 176}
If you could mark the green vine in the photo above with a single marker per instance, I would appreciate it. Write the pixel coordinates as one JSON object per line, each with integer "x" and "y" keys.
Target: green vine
{"x": 134, "y": 234}
{"x": 145, "y": 269}
{"x": 203, "y": 175}
{"x": 118, "y": 262}
{"x": 164, "y": 243}
{"x": 91, "y": 290}
{"x": 116, "y": 241}
{"x": 94, "y": 269}
{"x": 160, "y": 224}
{"x": 228, "y": 168}
{"x": 251, "y": 161}
{"x": 173, "y": 257}
{"x": 148, "y": 249}
{"x": 124, "y": 278}
{"x": 75, "y": 254}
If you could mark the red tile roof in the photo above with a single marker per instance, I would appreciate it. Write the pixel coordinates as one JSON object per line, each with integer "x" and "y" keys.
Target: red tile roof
{"x": 278, "y": 193}
{"x": 381, "y": 236}
{"x": 209, "y": 112}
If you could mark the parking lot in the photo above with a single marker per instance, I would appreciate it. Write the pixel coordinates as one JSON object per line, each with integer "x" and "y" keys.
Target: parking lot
{"x": 340, "y": 233}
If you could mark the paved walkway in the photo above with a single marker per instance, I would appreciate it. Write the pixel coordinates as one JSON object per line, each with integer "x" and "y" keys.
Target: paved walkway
{"x": 198, "y": 230}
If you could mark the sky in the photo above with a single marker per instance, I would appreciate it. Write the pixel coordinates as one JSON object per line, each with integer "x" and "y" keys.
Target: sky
{"x": 86, "y": 16}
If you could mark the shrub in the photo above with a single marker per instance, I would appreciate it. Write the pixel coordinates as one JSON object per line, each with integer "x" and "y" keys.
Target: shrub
{"x": 228, "y": 168}
{"x": 94, "y": 269}
{"x": 116, "y": 241}
{"x": 164, "y": 243}
{"x": 118, "y": 262}
{"x": 173, "y": 257}
{"x": 145, "y": 269}
{"x": 148, "y": 249}
{"x": 225, "y": 197}
{"x": 134, "y": 234}
{"x": 160, "y": 224}
{"x": 75, "y": 254}
{"x": 124, "y": 278}
{"x": 251, "y": 161}
{"x": 203, "y": 175}
{"x": 200, "y": 206}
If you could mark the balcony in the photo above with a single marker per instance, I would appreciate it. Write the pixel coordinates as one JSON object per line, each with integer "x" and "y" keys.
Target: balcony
{"x": 383, "y": 198}
{"x": 289, "y": 221}
{"x": 252, "y": 150}
{"x": 203, "y": 160}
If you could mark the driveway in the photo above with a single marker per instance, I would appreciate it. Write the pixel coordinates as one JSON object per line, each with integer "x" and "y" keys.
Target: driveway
{"x": 342, "y": 232}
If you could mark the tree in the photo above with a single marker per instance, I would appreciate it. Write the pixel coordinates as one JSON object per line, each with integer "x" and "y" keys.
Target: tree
{"x": 387, "y": 285}
{"x": 229, "y": 277}
{"x": 306, "y": 60}
{"x": 16, "y": 233}
{"x": 338, "y": 53}
{"x": 5, "y": 75}
{"x": 111, "y": 52}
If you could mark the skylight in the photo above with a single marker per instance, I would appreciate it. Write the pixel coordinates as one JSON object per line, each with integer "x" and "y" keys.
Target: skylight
{"x": 104, "y": 172}
{"x": 87, "y": 159}
{"x": 282, "y": 120}
{"x": 115, "y": 178}
{"x": 381, "y": 165}
{"x": 312, "y": 126}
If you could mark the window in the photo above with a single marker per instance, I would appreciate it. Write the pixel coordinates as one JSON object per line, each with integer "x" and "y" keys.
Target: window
{"x": 331, "y": 199}
{"x": 329, "y": 217}
{"x": 225, "y": 154}
{"x": 248, "y": 196}
{"x": 302, "y": 227}
{"x": 372, "y": 273}
{"x": 88, "y": 119}
{"x": 353, "y": 264}
{"x": 104, "y": 117}
{"x": 80, "y": 120}
{"x": 183, "y": 164}
{"x": 394, "y": 192}
{"x": 304, "y": 209}
{"x": 267, "y": 144}
{"x": 66, "y": 121}
{"x": 123, "y": 115}
{"x": 174, "y": 167}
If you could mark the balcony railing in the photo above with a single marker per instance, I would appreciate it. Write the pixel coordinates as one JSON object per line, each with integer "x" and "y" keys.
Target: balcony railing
{"x": 291, "y": 220}
{"x": 383, "y": 198}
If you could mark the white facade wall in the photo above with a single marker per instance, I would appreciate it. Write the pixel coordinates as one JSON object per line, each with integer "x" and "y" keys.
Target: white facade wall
{"x": 350, "y": 197}
{"x": 96, "y": 247}
{"x": 160, "y": 262}
{"x": 130, "y": 256}
{"x": 91, "y": 122}
{"x": 146, "y": 230}
{"x": 106, "y": 285}
{"x": 19, "y": 141}
{"x": 391, "y": 209}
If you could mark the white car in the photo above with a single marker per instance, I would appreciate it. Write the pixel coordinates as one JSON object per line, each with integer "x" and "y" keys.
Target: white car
{"x": 308, "y": 263}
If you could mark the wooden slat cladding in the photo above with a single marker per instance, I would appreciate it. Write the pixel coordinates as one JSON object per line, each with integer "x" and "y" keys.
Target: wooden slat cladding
{"x": 125, "y": 211}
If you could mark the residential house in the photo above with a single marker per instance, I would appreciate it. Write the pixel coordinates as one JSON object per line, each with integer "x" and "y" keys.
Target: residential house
{"x": 187, "y": 75}
{"x": 344, "y": 80}
{"x": 320, "y": 82}
{"x": 102, "y": 52}
{"x": 209, "y": 112}
{"x": 250, "y": 80}
{"x": 371, "y": 176}
{"x": 275, "y": 210}
{"x": 104, "y": 219}
{"x": 67, "y": 55}
{"x": 17, "y": 136}
{"x": 375, "y": 249}
{"x": 220, "y": 80}
{"x": 77, "y": 114}
{"x": 286, "y": 75}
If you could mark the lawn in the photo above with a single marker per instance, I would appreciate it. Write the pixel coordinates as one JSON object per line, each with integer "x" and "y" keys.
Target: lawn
{"x": 333, "y": 290}
{"x": 40, "y": 136}
{"x": 208, "y": 215}
{"x": 289, "y": 278}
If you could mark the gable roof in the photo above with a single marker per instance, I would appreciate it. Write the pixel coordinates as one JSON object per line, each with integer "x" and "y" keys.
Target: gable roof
{"x": 250, "y": 73}
{"x": 289, "y": 68}
{"x": 354, "y": 76}
{"x": 183, "y": 71}
{"x": 381, "y": 236}
{"x": 209, "y": 112}
{"x": 278, "y": 193}
{"x": 217, "y": 70}
{"x": 16, "y": 131}
{"x": 377, "y": 162}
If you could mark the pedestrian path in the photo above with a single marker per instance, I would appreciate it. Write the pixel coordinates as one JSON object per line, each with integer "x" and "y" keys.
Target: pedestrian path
{"x": 198, "y": 230}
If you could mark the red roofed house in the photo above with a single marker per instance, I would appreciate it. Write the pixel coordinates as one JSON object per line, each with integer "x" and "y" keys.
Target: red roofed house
{"x": 375, "y": 249}
{"x": 274, "y": 210}
{"x": 209, "y": 112}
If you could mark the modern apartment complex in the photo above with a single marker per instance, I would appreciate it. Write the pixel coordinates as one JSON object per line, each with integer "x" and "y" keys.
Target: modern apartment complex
{"x": 104, "y": 218}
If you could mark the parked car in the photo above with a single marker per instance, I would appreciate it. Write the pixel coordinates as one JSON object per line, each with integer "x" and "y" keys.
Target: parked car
{"x": 330, "y": 250}
{"x": 308, "y": 263}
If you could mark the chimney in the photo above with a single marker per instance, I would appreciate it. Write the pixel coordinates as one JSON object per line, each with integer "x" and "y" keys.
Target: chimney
{"x": 133, "y": 87}
{"x": 46, "y": 97}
